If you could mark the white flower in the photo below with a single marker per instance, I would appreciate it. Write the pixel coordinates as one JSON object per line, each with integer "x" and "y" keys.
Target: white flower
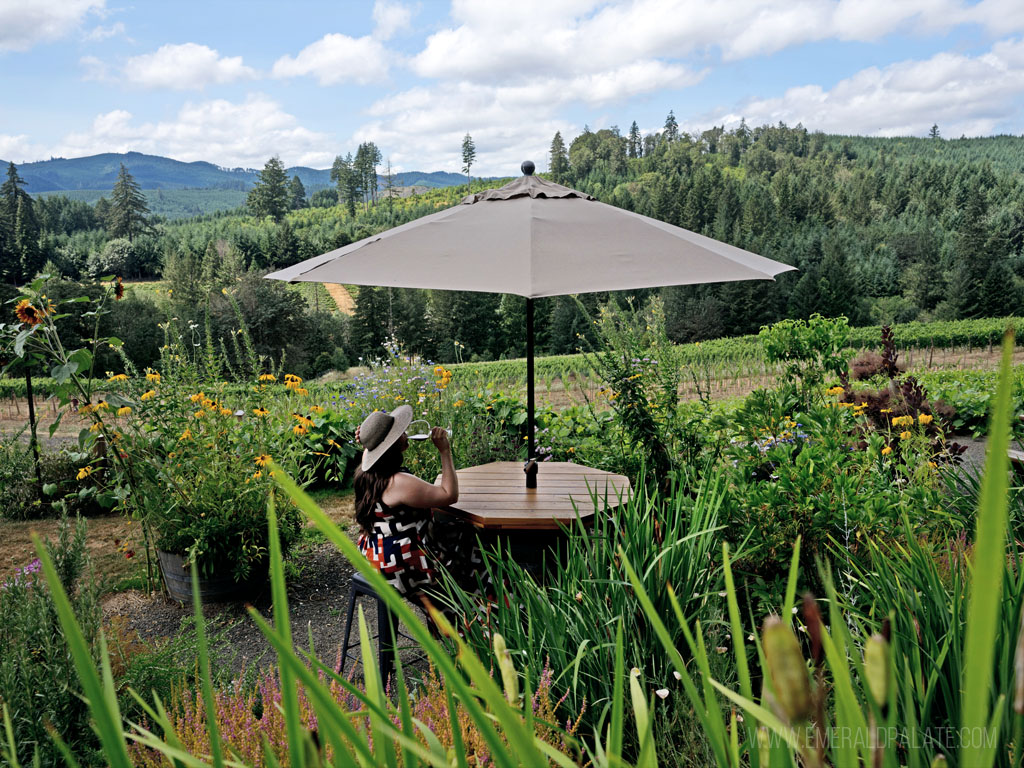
{"x": 676, "y": 675}
{"x": 662, "y": 692}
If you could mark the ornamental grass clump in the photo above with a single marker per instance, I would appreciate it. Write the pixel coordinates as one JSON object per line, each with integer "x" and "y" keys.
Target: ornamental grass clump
{"x": 38, "y": 686}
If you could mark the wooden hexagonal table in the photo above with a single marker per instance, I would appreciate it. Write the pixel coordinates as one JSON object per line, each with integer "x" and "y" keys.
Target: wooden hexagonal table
{"x": 494, "y": 497}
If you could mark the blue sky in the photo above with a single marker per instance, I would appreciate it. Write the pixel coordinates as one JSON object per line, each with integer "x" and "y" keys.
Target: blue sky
{"x": 236, "y": 83}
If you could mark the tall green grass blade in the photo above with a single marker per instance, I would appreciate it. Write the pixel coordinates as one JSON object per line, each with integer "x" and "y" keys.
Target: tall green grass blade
{"x": 282, "y": 623}
{"x": 742, "y": 669}
{"x": 380, "y": 726}
{"x": 988, "y": 566}
{"x": 618, "y": 715}
{"x": 458, "y": 746}
{"x": 105, "y": 712}
{"x": 405, "y": 714}
{"x": 794, "y": 570}
{"x": 522, "y": 743}
{"x": 209, "y": 703}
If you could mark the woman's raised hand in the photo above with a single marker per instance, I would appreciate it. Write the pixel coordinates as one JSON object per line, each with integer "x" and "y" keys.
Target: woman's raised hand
{"x": 357, "y": 434}
{"x": 439, "y": 436}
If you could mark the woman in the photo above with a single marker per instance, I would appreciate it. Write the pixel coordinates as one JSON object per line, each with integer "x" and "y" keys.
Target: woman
{"x": 393, "y": 508}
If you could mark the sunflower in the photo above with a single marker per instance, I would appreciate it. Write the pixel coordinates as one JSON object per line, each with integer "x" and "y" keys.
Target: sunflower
{"x": 28, "y": 313}
{"x": 118, "y": 289}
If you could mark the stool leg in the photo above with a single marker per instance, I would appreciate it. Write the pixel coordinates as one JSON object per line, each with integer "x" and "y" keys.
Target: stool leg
{"x": 348, "y": 630}
{"x": 385, "y": 640}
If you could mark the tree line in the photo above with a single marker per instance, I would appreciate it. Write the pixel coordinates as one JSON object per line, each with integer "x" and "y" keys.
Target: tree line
{"x": 882, "y": 230}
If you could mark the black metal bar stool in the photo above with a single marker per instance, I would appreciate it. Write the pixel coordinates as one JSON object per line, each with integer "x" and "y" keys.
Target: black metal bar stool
{"x": 387, "y": 635}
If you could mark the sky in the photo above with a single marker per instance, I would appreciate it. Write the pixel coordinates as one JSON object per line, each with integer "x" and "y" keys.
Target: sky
{"x": 236, "y": 83}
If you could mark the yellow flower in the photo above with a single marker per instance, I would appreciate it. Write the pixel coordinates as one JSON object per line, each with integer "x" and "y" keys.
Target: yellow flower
{"x": 186, "y": 435}
{"x": 301, "y": 391}
{"x": 299, "y": 429}
{"x": 262, "y": 460}
{"x": 316, "y": 408}
{"x": 118, "y": 377}
{"x": 906, "y": 435}
{"x": 148, "y": 395}
{"x": 932, "y": 464}
{"x": 924, "y": 418}
{"x": 459, "y": 403}
{"x": 903, "y": 421}
{"x": 260, "y": 411}
{"x": 153, "y": 376}
{"x": 886, "y": 410}
{"x": 887, "y": 450}
{"x": 86, "y": 409}
{"x": 226, "y": 411}
{"x": 95, "y": 426}
{"x": 836, "y": 391}
{"x": 29, "y": 313}
{"x": 196, "y": 397}
{"x": 200, "y": 414}
{"x": 84, "y": 472}
{"x": 268, "y": 377}
{"x": 292, "y": 377}
{"x": 102, "y": 405}
{"x": 258, "y": 474}
{"x": 125, "y": 411}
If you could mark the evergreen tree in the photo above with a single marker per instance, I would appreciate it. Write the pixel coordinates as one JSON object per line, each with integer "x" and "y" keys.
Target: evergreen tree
{"x": 370, "y": 322}
{"x": 269, "y": 195}
{"x": 347, "y": 179}
{"x": 558, "y": 164}
{"x": 297, "y": 194}
{"x": 1000, "y": 296}
{"x": 671, "y": 131}
{"x": 468, "y": 156}
{"x": 19, "y": 230}
{"x": 635, "y": 144}
{"x": 934, "y": 132}
{"x": 26, "y": 239}
{"x": 129, "y": 213}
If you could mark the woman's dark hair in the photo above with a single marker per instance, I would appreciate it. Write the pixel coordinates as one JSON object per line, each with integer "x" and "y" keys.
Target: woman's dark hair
{"x": 371, "y": 484}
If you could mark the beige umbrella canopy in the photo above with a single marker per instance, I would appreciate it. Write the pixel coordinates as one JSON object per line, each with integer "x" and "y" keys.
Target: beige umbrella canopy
{"x": 533, "y": 238}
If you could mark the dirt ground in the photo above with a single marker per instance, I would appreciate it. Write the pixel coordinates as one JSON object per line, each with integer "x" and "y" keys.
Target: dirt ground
{"x": 109, "y": 539}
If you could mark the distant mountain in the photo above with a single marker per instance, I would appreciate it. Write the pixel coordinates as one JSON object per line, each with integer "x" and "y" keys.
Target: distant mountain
{"x": 152, "y": 172}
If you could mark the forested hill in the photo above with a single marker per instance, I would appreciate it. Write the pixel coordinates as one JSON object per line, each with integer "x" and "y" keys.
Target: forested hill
{"x": 881, "y": 231}
{"x": 152, "y": 172}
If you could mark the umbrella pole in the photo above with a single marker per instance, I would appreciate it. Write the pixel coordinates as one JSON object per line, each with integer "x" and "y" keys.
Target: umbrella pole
{"x": 531, "y": 464}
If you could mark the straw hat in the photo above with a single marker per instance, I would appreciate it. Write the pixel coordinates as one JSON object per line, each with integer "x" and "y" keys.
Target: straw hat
{"x": 380, "y": 430}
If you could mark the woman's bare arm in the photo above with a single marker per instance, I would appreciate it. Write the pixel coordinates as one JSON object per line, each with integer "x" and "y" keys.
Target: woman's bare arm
{"x": 410, "y": 490}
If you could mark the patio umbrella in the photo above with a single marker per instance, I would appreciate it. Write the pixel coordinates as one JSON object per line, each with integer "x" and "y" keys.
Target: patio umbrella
{"x": 533, "y": 238}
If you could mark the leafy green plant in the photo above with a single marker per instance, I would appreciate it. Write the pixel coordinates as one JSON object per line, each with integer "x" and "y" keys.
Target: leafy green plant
{"x": 809, "y": 349}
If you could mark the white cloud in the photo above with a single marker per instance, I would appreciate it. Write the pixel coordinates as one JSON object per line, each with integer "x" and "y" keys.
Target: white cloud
{"x": 506, "y": 42}
{"x": 390, "y": 17}
{"x": 962, "y": 94}
{"x": 231, "y": 134}
{"x": 183, "y": 67}
{"x": 509, "y": 123}
{"x": 24, "y": 23}
{"x": 20, "y": 149}
{"x": 100, "y": 33}
{"x": 92, "y": 68}
{"x": 337, "y": 58}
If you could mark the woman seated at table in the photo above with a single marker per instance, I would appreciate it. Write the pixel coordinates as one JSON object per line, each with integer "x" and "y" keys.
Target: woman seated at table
{"x": 393, "y": 508}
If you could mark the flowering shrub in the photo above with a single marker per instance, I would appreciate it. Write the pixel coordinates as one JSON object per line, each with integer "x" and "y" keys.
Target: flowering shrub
{"x": 823, "y": 472}
{"x": 174, "y": 445}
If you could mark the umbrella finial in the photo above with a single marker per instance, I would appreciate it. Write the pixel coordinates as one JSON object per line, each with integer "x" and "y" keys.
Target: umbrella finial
{"x": 528, "y": 168}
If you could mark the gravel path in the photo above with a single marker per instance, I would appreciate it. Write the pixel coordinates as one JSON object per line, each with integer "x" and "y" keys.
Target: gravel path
{"x": 317, "y": 599}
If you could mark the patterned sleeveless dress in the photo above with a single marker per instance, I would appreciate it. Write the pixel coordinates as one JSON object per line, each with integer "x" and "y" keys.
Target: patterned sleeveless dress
{"x": 408, "y": 545}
